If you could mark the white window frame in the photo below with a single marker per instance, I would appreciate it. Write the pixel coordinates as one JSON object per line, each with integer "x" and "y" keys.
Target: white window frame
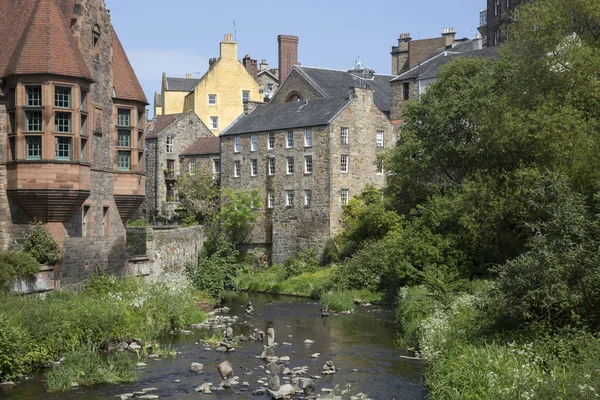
{"x": 253, "y": 167}
{"x": 289, "y": 198}
{"x": 253, "y": 142}
{"x": 216, "y": 171}
{"x": 344, "y": 196}
{"x": 379, "y": 165}
{"x": 496, "y": 7}
{"x": 289, "y": 165}
{"x": 214, "y": 122}
{"x": 308, "y": 137}
{"x": 289, "y": 139}
{"x": 379, "y": 139}
{"x": 237, "y": 168}
{"x": 213, "y": 98}
{"x": 271, "y": 199}
{"x": 237, "y": 144}
{"x": 344, "y": 135}
{"x": 308, "y": 164}
{"x": 307, "y": 198}
{"x": 192, "y": 167}
{"x": 270, "y": 141}
{"x": 271, "y": 166}
{"x": 344, "y": 163}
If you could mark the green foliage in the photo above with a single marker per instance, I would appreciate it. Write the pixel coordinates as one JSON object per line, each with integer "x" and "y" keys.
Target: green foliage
{"x": 304, "y": 262}
{"x": 40, "y": 244}
{"x": 238, "y": 211}
{"x": 86, "y": 367}
{"x": 330, "y": 253}
{"x": 15, "y": 265}
{"x": 199, "y": 194}
{"x": 339, "y": 300}
{"x": 13, "y": 349}
{"x": 216, "y": 268}
{"x": 138, "y": 222}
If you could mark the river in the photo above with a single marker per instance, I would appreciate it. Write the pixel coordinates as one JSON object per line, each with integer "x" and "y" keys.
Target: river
{"x": 361, "y": 346}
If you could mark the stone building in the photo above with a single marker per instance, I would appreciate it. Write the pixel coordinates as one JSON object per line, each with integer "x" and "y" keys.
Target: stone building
{"x": 203, "y": 154}
{"x": 268, "y": 79}
{"x": 72, "y": 121}
{"x": 495, "y": 17}
{"x": 218, "y": 97}
{"x": 307, "y": 159}
{"x": 167, "y": 138}
{"x": 414, "y": 82}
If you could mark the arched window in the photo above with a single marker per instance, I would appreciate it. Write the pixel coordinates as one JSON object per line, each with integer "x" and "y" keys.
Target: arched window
{"x": 293, "y": 97}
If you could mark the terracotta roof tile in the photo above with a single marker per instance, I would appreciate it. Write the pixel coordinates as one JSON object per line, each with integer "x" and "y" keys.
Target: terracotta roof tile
{"x": 125, "y": 81}
{"x": 160, "y": 123}
{"x": 46, "y": 44}
{"x": 205, "y": 145}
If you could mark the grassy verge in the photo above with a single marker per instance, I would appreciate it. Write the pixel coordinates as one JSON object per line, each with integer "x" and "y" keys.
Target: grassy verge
{"x": 466, "y": 360}
{"x": 35, "y": 331}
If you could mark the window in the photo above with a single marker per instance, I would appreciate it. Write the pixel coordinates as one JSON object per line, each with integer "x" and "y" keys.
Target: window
{"x": 379, "y": 164}
{"x": 344, "y": 197}
{"x": 82, "y": 150}
{"x": 123, "y": 117}
{"x": 84, "y": 221}
{"x": 507, "y": 3}
{"x": 290, "y": 165}
{"x": 237, "y": 167}
{"x": 245, "y": 96}
{"x": 254, "y": 167}
{"x": 34, "y": 96}
{"x": 344, "y": 163}
{"x": 169, "y": 144}
{"x": 271, "y": 199}
{"x": 253, "y": 142}
{"x": 307, "y": 198}
{"x": 405, "y": 91}
{"x": 104, "y": 221}
{"x": 82, "y": 103}
{"x": 62, "y": 122}
{"x": 308, "y": 137}
{"x": 62, "y": 97}
{"x": 123, "y": 138}
{"x": 289, "y": 139}
{"x": 192, "y": 167}
{"x": 308, "y": 165}
{"x": 496, "y": 7}
{"x": 124, "y": 160}
{"x": 63, "y": 148}
{"x": 344, "y": 136}
{"x": 496, "y": 37}
{"x": 272, "y": 166}
{"x": 271, "y": 141}
{"x": 34, "y": 147}
{"x": 289, "y": 198}
{"x": 33, "y": 121}
{"x": 379, "y": 139}
{"x": 212, "y": 99}
{"x": 236, "y": 144}
{"x": 217, "y": 170}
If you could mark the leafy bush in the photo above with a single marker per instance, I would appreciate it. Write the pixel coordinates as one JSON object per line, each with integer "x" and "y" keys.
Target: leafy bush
{"x": 14, "y": 265}
{"x": 339, "y": 300}
{"x": 40, "y": 244}
{"x": 138, "y": 222}
{"x": 216, "y": 269}
{"x": 301, "y": 263}
{"x": 238, "y": 211}
{"x": 330, "y": 253}
{"x": 13, "y": 349}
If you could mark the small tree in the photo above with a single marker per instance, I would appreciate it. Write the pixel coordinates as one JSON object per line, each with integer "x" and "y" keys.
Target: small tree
{"x": 40, "y": 244}
{"x": 238, "y": 210}
{"x": 199, "y": 194}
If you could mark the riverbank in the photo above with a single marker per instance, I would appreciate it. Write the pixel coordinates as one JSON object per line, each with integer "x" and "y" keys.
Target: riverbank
{"x": 36, "y": 332}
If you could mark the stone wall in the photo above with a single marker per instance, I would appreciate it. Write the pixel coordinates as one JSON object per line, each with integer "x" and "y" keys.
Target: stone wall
{"x": 295, "y": 84}
{"x": 397, "y": 101}
{"x": 167, "y": 249}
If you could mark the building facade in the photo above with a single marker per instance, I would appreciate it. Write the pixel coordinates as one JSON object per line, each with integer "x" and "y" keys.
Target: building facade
{"x": 498, "y": 15}
{"x": 203, "y": 154}
{"x": 72, "y": 122}
{"x": 168, "y": 137}
{"x": 306, "y": 159}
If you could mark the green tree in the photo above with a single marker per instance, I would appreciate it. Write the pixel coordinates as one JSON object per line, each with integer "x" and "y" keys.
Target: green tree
{"x": 199, "y": 194}
{"x": 40, "y": 244}
{"x": 239, "y": 209}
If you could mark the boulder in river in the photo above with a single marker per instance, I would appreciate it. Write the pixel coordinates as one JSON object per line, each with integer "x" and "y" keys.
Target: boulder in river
{"x": 197, "y": 367}
{"x": 225, "y": 370}
{"x": 284, "y": 391}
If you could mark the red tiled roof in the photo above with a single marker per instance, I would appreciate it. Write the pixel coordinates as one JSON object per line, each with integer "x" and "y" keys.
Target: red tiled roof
{"x": 205, "y": 145}
{"x": 41, "y": 40}
{"x": 160, "y": 123}
{"x": 125, "y": 81}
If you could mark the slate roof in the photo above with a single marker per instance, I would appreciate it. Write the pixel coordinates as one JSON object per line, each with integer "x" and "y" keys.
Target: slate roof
{"x": 37, "y": 39}
{"x": 181, "y": 84}
{"x": 125, "y": 82}
{"x": 292, "y": 115}
{"x": 429, "y": 68}
{"x": 332, "y": 82}
{"x": 203, "y": 146}
{"x": 160, "y": 123}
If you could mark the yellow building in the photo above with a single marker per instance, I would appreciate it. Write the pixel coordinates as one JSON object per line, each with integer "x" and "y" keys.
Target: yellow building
{"x": 218, "y": 97}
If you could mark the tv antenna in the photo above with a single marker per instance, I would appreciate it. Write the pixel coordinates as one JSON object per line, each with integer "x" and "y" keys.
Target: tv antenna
{"x": 234, "y": 32}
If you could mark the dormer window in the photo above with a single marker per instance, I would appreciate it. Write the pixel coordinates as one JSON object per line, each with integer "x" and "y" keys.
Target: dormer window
{"x": 34, "y": 96}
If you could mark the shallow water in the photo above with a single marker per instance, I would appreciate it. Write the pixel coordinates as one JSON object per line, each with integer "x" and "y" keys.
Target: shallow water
{"x": 363, "y": 341}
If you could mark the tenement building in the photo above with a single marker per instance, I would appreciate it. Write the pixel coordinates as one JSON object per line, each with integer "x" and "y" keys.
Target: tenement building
{"x": 72, "y": 121}
{"x": 495, "y": 18}
{"x": 306, "y": 158}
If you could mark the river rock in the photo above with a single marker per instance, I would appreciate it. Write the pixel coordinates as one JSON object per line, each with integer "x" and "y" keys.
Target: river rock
{"x": 148, "y": 396}
{"x": 284, "y": 390}
{"x": 141, "y": 364}
{"x": 315, "y": 355}
{"x": 275, "y": 383}
{"x": 309, "y": 387}
{"x": 259, "y": 392}
{"x": 125, "y": 396}
{"x": 134, "y": 346}
{"x": 225, "y": 370}
{"x": 197, "y": 367}
{"x": 308, "y": 341}
{"x": 270, "y": 337}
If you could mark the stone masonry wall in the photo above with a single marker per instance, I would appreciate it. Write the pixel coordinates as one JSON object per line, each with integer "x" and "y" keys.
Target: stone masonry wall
{"x": 397, "y": 101}
{"x": 295, "y": 84}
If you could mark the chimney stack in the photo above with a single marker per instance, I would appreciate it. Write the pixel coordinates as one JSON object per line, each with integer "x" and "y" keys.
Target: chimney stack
{"x": 228, "y": 47}
{"x": 288, "y": 54}
{"x": 250, "y": 65}
{"x": 188, "y": 76}
{"x": 263, "y": 65}
{"x": 212, "y": 62}
{"x": 449, "y": 34}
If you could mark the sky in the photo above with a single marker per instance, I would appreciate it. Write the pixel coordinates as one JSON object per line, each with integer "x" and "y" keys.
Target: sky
{"x": 179, "y": 36}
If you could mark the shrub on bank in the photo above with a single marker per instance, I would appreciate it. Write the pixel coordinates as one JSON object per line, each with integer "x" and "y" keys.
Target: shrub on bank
{"x": 40, "y": 244}
{"x": 15, "y": 265}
